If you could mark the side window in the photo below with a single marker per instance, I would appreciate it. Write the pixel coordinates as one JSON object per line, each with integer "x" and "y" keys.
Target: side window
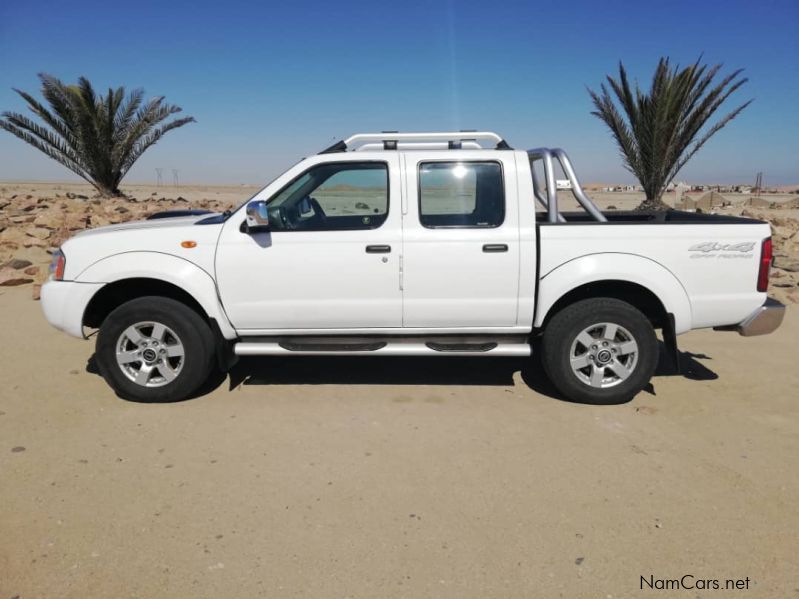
{"x": 342, "y": 196}
{"x": 461, "y": 194}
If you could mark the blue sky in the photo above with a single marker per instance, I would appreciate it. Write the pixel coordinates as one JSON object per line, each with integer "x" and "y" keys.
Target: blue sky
{"x": 269, "y": 84}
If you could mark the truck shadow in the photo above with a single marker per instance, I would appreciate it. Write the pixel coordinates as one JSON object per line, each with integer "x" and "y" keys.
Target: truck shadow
{"x": 450, "y": 370}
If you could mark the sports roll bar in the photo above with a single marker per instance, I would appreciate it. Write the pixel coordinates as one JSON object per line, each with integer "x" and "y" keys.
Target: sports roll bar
{"x": 546, "y": 156}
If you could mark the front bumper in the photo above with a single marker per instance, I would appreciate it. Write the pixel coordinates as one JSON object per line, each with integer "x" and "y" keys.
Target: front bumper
{"x": 64, "y": 303}
{"x": 766, "y": 319}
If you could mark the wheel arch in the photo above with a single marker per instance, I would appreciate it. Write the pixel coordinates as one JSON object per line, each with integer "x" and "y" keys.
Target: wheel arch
{"x": 633, "y": 293}
{"x": 136, "y": 274}
{"x": 639, "y": 281}
{"x": 113, "y": 295}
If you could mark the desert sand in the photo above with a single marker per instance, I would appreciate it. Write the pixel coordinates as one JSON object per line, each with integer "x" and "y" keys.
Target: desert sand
{"x": 379, "y": 477}
{"x": 448, "y": 477}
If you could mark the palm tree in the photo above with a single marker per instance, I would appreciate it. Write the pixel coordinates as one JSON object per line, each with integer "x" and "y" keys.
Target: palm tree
{"x": 97, "y": 137}
{"x": 658, "y": 132}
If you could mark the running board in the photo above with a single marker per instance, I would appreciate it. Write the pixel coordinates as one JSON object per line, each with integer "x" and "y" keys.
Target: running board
{"x": 388, "y": 348}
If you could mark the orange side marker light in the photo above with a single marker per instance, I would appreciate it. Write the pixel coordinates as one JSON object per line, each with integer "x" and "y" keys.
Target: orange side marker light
{"x": 188, "y": 244}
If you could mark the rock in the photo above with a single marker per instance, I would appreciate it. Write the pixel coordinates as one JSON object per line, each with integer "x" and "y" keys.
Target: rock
{"x": 34, "y": 255}
{"x": 17, "y": 263}
{"x": 48, "y": 219}
{"x": 37, "y": 292}
{"x": 611, "y": 207}
{"x": 12, "y": 278}
{"x": 362, "y": 206}
{"x": 31, "y": 270}
{"x": 789, "y": 264}
{"x": 37, "y": 232}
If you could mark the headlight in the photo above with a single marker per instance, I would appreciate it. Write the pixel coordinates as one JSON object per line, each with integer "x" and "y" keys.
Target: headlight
{"x": 57, "y": 266}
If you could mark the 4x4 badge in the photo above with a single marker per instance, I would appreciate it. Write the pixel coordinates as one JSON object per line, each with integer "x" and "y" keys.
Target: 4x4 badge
{"x": 713, "y": 246}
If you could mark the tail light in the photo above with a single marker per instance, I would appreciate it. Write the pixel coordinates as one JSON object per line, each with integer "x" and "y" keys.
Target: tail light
{"x": 765, "y": 265}
{"x": 57, "y": 265}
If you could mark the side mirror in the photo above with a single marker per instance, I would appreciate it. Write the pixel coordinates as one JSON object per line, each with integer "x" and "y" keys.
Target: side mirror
{"x": 257, "y": 217}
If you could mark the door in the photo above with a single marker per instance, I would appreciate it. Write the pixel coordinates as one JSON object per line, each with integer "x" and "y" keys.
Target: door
{"x": 460, "y": 240}
{"x": 330, "y": 259}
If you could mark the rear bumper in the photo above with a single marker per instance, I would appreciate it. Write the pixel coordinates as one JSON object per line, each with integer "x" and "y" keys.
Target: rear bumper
{"x": 766, "y": 319}
{"x": 64, "y": 302}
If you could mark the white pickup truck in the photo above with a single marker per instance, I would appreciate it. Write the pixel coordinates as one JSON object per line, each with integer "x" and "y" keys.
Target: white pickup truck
{"x": 405, "y": 244}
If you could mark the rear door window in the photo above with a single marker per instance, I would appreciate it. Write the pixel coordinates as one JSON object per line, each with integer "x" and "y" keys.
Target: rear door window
{"x": 461, "y": 194}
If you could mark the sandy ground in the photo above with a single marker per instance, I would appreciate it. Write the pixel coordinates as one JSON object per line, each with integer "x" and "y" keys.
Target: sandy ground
{"x": 389, "y": 478}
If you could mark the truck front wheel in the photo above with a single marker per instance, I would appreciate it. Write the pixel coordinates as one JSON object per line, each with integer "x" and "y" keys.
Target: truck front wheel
{"x": 154, "y": 349}
{"x": 599, "y": 351}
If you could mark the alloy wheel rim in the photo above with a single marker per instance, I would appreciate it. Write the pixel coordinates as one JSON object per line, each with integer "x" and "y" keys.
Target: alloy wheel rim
{"x": 603, "y": 355}
{"x": 150, "y": 354}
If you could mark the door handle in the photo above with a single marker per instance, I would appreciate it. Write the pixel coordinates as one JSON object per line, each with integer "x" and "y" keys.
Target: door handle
{"x": 495, "y": 247}
{"x": 378, "y": 249}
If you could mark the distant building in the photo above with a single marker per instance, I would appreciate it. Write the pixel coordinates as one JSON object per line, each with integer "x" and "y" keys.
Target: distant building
{"x": 563, "y": 184}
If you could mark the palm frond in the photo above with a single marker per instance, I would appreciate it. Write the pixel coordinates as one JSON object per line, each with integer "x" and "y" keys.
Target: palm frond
{"x": 98, "y": 137}
{"x": 658, "y": 131}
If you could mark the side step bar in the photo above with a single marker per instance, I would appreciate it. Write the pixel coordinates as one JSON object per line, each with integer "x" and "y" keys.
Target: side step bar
{"x": 388, "y": 348}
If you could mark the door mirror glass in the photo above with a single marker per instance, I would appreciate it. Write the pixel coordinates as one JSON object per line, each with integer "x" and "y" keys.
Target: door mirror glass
{"x": 257, "y": 216}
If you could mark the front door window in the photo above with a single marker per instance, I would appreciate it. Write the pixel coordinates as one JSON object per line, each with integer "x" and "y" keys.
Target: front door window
{"x": 333, "y": 197}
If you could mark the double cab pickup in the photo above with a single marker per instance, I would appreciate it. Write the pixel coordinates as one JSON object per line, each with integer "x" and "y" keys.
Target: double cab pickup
{"x": 410, "y": 244}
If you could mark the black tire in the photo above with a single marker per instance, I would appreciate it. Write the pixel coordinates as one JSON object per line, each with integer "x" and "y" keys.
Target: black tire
{"x": 183, "y": 324}
{"x": 560, "y": 343}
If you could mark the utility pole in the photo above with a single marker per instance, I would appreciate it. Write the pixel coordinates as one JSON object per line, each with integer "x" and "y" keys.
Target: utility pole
{"x": 160, "y": 173}
{"x": 175, "y": 181}
{"x": 758, "y": 184}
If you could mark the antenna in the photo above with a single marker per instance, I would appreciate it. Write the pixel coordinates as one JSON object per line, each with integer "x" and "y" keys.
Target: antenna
{"x": 160, "y": 180}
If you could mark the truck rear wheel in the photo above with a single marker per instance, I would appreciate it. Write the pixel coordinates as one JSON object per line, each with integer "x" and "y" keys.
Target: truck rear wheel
{"x": 599, "y": 351}
{"x": 154, "y": 349}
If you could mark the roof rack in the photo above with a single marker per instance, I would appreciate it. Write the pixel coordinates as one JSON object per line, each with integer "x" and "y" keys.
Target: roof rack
{"x": 393, "y": 140}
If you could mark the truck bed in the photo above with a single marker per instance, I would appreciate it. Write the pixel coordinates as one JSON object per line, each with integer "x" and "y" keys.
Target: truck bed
{"x": 711, "y": 260}
{"x": 667, "y": 217}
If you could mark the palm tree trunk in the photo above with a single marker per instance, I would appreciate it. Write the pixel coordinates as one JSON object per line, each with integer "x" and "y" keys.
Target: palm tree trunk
{"x": 106, "y": 191}
{"x": 652, "y": 204}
